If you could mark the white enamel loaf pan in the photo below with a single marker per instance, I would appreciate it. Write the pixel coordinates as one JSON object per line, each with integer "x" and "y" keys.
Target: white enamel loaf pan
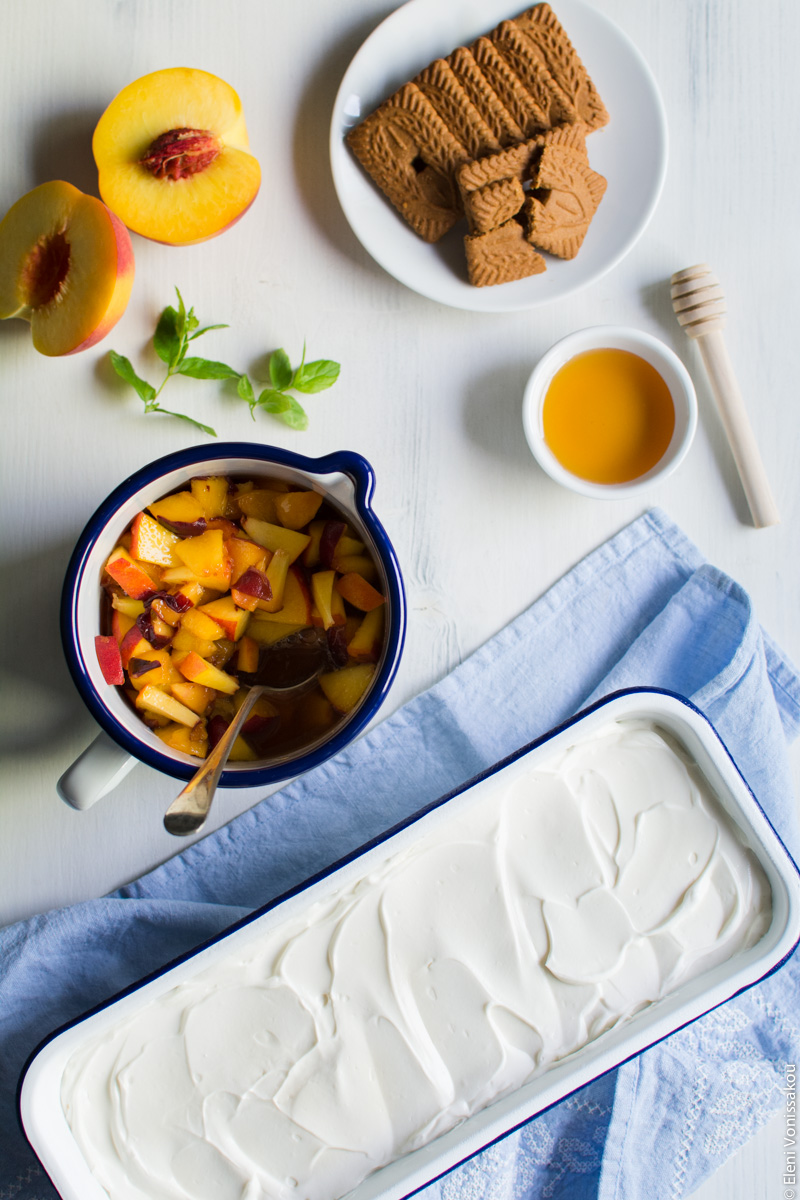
{"x": 40, "y": 1109}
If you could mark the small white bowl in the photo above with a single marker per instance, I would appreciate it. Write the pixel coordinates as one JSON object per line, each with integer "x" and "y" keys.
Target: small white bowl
{"x": 611, "y": 337}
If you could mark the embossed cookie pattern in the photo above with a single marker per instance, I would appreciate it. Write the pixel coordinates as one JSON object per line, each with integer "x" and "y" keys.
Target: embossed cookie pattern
{"x": 412, "y": 156}
{"x": 564, "y": 200}
{"x": 495, "y": 132}
{"x": 548, "y": 36}
{"x": 493, "y": 204}
{"x": 484, "y": 97}
{"x": 440, "y": 85}
{"x": 501, "y": 256}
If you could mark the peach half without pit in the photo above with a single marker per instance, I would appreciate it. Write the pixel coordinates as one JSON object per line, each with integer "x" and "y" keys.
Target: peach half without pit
{"x": 66, "y": 266}
{"x": 173, "y": 159}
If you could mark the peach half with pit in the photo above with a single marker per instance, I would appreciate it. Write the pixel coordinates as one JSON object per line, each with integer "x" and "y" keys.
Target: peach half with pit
{"x": 173, "y": 156}
{"x": 66, "y": 267}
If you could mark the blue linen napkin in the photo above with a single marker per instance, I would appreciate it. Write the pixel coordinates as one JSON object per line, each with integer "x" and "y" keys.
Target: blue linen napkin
{"x": 643, "y": 609}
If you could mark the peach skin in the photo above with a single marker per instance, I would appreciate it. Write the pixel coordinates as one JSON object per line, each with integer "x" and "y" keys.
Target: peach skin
{"x": 66, "y": 266}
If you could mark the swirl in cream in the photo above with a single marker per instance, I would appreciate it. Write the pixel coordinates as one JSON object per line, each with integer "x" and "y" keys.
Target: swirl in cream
{"x": 547, "y": 909}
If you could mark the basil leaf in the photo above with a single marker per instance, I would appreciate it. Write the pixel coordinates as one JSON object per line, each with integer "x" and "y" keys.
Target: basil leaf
{"x": 205, "y": 329}
{"x": 123, "y": 368}
{"x": 316, "y": 376}
{"x": 295, "y": 416}
{"x": 180, "y": 324}
{"x": 280, "y": 370}
{"x": 273, "y": 401}
{"x": 183, "y": 417}
{"x": 285, "y": 407}
{"x": 245, "y": 389}
{"x": 206, "y": 368}
{"x": 167, "y": 340}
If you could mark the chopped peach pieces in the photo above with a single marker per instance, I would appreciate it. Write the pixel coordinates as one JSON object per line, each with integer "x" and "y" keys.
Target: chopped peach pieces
{"x": 276, "y": 537}
{"x": 108, "y": 656}
{"x": 201, "y": 624}
{"x": 311, "y": 552}
{"x": 192, "y": 741}
{"x": 345, "y": 547}
{"x": 211, "y": 493}
{"x": 247, "y": 656}
{"x": 267, "y": 633}
{"x": 275, "y": 576}
{"x": 365, "y": 644}
{"x": 296, "y": 609}
{"x": 152, "y": 668}
{"x": 197, "y": 670}
{"x": 232, "y": 620}
{"x": 358, "y": 592}
{"x": 127, "y": 605}
{"x": 120, "y": 624}
{"x": 345, "y": 688}
{"x": 206, "y": 558}
{"x": 153, "y": 699}
{"x": 134, "y": 579}
{"x": 151, "y": 542}
{"x": 296, "y": 509}
{"x": 322, "y": 592}
{"x": 241, "y": 751}
{"x": 208, "y": 583}
{"x": 245, "y": 554}
{"x": 182, "y": 508}
{"x": 196, "y": 697}
{"x": 259, "y": 503}
{"x": 358, "y": 564}
{"x": 185, "y": 641}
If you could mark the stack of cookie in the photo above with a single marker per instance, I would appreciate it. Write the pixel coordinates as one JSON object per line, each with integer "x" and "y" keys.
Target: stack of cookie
{"x": 538, "y": 195}
{"x": 496, "y": 131}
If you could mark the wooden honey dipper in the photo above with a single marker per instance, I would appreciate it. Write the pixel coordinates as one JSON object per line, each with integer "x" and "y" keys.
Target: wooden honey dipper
{"x": 699, "y": 304}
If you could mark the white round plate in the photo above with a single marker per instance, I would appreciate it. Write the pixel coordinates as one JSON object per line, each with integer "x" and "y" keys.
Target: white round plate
{"x": 631, "y": 151}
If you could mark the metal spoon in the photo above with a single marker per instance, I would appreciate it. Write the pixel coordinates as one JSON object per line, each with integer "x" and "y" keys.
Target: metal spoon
{"x": 309, "y": 654}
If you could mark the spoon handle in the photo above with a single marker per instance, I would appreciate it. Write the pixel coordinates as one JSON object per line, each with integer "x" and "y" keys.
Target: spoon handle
{"x": 189, "y": 809}
{"x": 736, "y": 423}
{"x": 699, "y": 304}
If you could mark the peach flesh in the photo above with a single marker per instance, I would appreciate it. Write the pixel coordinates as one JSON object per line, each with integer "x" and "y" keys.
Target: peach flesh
{"x": 66, "y": 267}
{"x": 173, "y": 156}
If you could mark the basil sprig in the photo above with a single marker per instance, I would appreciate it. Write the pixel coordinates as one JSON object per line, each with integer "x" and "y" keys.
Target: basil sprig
{"x": 177, "y": 328}
{"x": 309, "y": 378}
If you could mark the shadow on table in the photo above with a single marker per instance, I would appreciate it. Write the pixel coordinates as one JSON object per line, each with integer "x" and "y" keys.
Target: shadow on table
{"x": 39, "y": 706}
{"x": 493, "y": 415}
{"x": 656, "y": 299}
{"x": 14, "y": 334}
{"x": 62, "y": 148}
{"x": 312, "y": 129}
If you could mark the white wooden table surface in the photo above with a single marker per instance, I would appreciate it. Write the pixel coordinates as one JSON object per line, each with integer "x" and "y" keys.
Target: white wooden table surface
{"x": 430, "y": 395}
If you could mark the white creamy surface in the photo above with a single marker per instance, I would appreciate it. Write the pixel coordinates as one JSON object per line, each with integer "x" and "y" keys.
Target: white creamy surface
{"x": 549, "y": 907}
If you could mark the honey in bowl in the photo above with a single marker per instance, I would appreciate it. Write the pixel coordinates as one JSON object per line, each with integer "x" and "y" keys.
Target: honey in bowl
{"x": 608, "y": 416}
